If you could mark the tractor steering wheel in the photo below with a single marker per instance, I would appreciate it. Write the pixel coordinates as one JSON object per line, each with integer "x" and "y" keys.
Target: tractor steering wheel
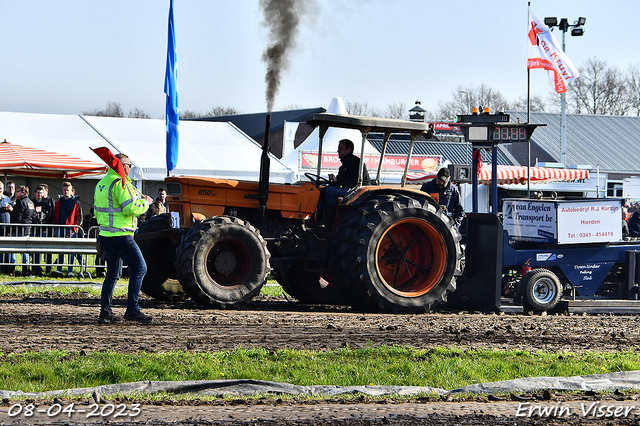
{"x": 316, "y": 179}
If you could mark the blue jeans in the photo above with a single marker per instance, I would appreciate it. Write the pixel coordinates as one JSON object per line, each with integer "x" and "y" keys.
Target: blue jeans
{"x": 66, "y": 233}
{"x": 331, "y": 195}
{"x": 117, "y": 250}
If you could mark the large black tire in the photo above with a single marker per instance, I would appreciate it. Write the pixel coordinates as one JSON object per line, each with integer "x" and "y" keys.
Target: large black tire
{"x": 306, "y": 286}
{"x": 159, "y": 254}
{"x": 222, "y": 262}
{"x": 541, "y": 290}
{"x": 396, "y": 254}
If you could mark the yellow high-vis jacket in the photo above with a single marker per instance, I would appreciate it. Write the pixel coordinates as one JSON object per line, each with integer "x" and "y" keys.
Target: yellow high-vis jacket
{"x": 115, "y": 207}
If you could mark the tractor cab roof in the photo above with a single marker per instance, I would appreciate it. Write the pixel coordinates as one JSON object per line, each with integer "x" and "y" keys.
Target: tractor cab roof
{"x": 366, "y": 124}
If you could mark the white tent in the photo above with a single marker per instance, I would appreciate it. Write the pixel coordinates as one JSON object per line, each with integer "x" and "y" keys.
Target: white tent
{"x": 206, "y": 148}
{"x": 294, "y": 159}
{"x": 64, "y": 134}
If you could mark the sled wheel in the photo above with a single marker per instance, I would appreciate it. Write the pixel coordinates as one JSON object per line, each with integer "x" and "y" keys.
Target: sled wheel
{"x": 222, "y": 262}
{"x": 159, "y": 254}
{"x": 541, "y": 290}
{"x": 400, "y": 254}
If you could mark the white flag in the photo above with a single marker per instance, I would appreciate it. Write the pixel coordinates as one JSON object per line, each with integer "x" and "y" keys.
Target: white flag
{"x": 545, "y": 52}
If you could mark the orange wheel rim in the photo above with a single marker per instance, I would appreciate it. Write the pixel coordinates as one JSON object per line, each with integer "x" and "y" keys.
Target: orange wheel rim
{"x": 411, "y": 257}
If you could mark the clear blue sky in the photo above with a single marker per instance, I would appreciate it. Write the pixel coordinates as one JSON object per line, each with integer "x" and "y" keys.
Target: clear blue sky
{"x": 70, "y": 56}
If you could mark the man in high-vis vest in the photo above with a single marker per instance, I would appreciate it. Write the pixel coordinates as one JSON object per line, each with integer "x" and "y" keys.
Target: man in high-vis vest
{"x": 116, "y": 206}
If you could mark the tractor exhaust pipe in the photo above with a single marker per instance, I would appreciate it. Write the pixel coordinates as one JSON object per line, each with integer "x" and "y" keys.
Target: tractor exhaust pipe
{"x": 265, "y": 164}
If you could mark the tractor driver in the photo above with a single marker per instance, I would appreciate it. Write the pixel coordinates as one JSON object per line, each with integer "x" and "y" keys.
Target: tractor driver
{"x": 347, "y": 178}
{"x": 448, "y": 195}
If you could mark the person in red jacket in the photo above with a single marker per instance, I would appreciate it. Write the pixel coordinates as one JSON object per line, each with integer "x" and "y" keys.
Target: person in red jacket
{"x": 67, "y": 212}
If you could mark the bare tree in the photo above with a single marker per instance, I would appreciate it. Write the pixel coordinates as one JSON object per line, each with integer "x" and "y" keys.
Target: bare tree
{"x": 397, "y": 110}
{"x": 357, "y": 108}
{"x": 464, "y": 99}
{"x": 537, "y": 104}
{"x": 600, "y": 89}
{"x": 137, "y": 113}
{"x": 190, "y": 114}
{"x": 633, "y": 88}
{"x": 218, "y": 111}
{"x": 113, "y": 109}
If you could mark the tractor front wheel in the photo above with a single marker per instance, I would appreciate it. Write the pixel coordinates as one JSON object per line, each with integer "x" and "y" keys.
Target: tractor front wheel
{"x": 222, "y": 262}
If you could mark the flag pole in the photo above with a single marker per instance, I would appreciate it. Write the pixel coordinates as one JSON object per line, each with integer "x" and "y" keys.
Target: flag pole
{"x": 171, "y": 91}
{"x": 528, "y": 120}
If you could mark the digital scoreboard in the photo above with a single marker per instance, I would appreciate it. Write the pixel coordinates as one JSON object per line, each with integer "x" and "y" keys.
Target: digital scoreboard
{"x": 491, "y": 129}
{"x": 509, "y": 134}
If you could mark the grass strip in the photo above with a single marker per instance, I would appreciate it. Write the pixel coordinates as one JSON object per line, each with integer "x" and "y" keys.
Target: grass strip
{"x": 272, "y": 289}
{"x": 398, "y": 366}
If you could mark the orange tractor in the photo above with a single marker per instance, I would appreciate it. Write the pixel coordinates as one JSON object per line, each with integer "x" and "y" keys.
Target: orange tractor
{"x": 389, "y": 249}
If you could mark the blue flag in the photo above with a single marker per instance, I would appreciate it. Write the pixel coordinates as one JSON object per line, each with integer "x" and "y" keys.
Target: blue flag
{"x": 171, "y": 90}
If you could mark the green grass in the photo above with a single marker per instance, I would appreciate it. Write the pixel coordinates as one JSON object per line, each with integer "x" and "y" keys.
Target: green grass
{"x": 271, "y": 289}
{"x": 58, "y": 285}
{"x": 401, "y": 366}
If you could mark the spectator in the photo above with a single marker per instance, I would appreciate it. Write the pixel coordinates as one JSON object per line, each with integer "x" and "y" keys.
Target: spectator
{"x": 634, "y": 225}
{"x": 448, "y": 195}
{"x": 24, "y": 216}
{"x": 10, "y": 191}
{"x": 88, "y": 223}
{"x": 160, "y": 199}
{"x": 67, "y": 212}
{"x": 43, "y": 216}
{"x": 157, "y": 208}
{"x": 6, "y": 207}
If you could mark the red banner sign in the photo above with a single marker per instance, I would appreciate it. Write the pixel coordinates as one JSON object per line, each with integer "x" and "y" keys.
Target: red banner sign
{"x": 392, "y": 163}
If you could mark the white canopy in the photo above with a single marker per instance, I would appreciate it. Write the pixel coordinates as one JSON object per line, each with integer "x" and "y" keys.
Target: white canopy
{"x": 64, "y": 134}
{"x": 206, "y": 148}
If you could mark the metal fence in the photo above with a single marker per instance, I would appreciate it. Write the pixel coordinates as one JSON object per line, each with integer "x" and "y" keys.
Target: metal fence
{"x": 36, "y": 245}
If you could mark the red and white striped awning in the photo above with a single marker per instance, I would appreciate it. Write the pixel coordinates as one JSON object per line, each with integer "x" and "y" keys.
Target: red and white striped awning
{"x": 18, "y": 160}
{"x": 516, "y": 174}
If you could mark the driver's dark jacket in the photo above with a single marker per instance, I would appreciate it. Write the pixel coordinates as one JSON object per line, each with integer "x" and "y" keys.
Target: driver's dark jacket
{"x": 348, "y": 173}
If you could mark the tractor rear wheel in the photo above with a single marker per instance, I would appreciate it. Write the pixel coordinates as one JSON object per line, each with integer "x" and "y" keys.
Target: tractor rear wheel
{"x": 541, "y": 290}
{"x": 222, "y": 262}
{"x": 398, "y": 254}
{"x": 159, "y": 254}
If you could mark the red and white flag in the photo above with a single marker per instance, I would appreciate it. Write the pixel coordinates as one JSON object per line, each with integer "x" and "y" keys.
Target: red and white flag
{"x": 545, "y": 52}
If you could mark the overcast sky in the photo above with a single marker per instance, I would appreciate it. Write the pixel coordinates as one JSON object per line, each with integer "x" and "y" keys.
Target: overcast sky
{"x": 71, "y": 56}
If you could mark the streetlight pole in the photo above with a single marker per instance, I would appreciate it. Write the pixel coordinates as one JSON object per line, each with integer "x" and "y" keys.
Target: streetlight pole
{"x": 577, "y": 30}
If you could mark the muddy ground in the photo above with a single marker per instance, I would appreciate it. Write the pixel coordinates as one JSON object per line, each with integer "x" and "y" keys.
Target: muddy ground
{"x": 52, "y": 321}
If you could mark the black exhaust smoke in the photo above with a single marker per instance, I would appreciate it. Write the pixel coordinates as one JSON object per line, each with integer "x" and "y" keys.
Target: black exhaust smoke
{"x": 282, "y": 18}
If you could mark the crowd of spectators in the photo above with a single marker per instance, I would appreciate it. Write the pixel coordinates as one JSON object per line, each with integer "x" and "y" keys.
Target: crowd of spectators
{"x": 37, "y": 214}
